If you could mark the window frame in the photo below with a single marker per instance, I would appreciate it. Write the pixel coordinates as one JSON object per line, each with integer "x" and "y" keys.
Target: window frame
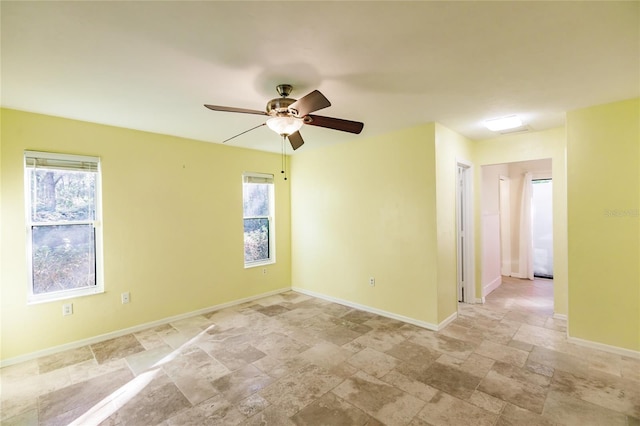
{"x": 51, "y": 296}
{"x": 269, "y": 179}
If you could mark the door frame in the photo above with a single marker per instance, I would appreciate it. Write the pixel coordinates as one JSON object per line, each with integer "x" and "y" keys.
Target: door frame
{"x": 465, "y": 235}
{"x": 504, "y": 203}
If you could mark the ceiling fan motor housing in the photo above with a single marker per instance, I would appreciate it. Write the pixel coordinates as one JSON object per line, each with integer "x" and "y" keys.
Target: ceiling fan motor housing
{"x": 279, "y": 107}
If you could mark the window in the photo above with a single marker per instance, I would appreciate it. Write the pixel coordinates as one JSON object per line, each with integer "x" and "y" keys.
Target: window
{"x": 257, "y": 200}
{"x": 64, "y": 244}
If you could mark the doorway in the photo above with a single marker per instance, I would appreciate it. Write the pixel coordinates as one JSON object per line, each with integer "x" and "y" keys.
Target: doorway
{"x": 507, "y": 215}
{"x": 542, "y": 227}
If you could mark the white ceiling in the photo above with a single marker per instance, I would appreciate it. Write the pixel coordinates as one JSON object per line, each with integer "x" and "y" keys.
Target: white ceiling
{"x": 152, "y": 65}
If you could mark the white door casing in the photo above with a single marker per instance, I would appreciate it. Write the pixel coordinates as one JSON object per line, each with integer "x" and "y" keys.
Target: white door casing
{"x": 505, "y": 226}
{"x": 464, "y": 232}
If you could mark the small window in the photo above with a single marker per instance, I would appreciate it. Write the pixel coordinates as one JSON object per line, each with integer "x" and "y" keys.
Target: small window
{"x": 64, "y": 239}
{"x": 258, "y": 215}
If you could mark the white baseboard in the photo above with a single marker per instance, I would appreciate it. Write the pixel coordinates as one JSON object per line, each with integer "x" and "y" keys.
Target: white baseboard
{"x": 134, "y": 329}
{"x": 419, "y": 323}
{"x": 480, "y": 301}
{"x": 447, "y": 320}
{"x": 603, "y": 347}
{"x": 560, "y": 316}
{"x": 495, "y": 283}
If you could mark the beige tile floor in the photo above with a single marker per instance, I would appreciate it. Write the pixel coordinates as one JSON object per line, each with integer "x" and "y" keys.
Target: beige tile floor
{"x": 292, "y": 359}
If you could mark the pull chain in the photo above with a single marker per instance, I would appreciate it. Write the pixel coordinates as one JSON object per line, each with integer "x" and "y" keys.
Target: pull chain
{"x": 284, "y": 157}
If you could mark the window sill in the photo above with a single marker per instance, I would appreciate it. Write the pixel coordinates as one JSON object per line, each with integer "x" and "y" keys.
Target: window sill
{"x": 62, "y": 295}
{"x": 258, "y": 264}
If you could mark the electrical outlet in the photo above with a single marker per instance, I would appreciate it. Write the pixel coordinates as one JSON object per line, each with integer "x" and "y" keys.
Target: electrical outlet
{"x": 67, "y": 309}
{"x": 264, "y": 271}
{"x": 125, "y": 297}
{"x": 372, "y": 282}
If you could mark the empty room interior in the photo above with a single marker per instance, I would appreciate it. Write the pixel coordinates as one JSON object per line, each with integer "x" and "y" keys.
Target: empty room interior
{"x": 368, "y": 249}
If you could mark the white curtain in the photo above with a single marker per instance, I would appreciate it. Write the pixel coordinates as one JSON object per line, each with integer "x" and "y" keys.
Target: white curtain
{"x": 526, "y": 238}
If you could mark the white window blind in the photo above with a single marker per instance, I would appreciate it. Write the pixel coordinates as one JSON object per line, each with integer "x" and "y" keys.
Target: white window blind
{"x": 47, "y": 160}
{"x": 257, "y": 178}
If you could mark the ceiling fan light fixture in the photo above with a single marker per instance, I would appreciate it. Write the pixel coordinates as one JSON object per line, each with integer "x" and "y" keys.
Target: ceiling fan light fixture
{"x": 503, "y": 123}
{"x": 285, "y": 125}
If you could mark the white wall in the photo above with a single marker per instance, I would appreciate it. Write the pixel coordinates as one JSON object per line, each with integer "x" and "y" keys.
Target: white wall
{"x": 490, "y": 204}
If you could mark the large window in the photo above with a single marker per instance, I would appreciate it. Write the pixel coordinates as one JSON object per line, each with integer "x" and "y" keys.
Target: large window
{"x": 257, "y": 197}
{"x": 64, "y": 241}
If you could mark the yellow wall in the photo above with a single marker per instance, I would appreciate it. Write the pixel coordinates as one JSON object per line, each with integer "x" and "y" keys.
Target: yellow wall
{"x": 450, "y": 148}
{"x": 173, "y": 233}
{"x": 368, "y": 208}
{"x": 380, "y": 207}
{"x": 522, "y": 147}
{"x": 603, "y": 200}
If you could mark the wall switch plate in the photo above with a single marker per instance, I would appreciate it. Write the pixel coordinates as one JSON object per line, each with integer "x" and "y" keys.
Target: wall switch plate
{"x": 125, "y": 297}
{"x": 67, "y": 309}
{"x": 372, "y": 281}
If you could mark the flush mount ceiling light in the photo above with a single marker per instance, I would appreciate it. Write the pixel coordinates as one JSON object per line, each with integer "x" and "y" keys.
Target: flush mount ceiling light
{"x": 285, "y": 125}
{"x": 503, "y": 123}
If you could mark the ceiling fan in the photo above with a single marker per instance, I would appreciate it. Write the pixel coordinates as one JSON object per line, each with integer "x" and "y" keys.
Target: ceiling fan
{"x": 288, "y": 115}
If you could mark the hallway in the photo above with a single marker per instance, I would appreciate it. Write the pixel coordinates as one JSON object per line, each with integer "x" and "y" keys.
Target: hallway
{"x": 534, "y": 297}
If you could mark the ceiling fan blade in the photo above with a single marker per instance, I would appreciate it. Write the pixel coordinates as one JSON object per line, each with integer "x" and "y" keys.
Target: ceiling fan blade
{"x": 314, "y": 101}
{"x": 232, "y": 109}
{"x": 296, "y": 140}
{"x": 334, "y": 123}
{"x": 246, "y": 131}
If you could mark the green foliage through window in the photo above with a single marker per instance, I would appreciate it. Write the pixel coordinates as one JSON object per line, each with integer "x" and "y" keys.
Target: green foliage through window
{"x": 62, "y": 211}
{"x": 257, "y": 214}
